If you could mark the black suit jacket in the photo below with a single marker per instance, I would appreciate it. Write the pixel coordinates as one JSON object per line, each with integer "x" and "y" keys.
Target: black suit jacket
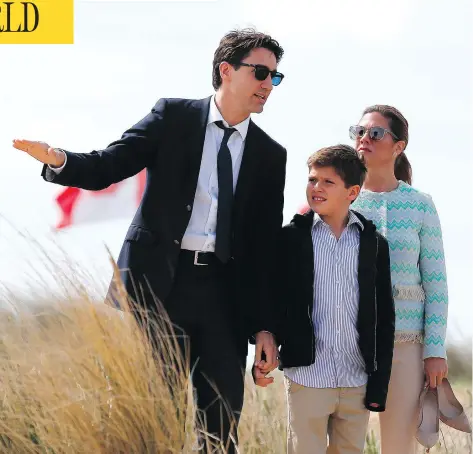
{"x": 168, "y": 142}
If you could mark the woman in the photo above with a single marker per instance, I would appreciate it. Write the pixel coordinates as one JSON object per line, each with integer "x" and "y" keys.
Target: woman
{"x": 409, "y": 221}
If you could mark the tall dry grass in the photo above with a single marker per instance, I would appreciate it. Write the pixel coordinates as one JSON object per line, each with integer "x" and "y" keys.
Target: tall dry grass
{"x": 80, "y": 377}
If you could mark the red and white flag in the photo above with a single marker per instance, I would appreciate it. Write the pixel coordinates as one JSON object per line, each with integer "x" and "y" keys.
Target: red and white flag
{"x": 120, "y": 200}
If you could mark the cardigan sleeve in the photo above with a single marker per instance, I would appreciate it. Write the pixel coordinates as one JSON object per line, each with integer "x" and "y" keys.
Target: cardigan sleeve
{"x": 434, "y": 282}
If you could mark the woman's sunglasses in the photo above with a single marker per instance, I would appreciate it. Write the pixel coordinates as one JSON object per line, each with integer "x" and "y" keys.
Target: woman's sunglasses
{"x": 262, "y": 72}
{"x": 375, "y": 133}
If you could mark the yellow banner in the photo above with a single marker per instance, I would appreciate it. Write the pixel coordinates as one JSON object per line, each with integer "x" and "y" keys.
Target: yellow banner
{"x": 37, "y": 22}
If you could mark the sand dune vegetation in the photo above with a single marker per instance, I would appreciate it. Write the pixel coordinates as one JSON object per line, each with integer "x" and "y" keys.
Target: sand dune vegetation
{"x": 77, "y": 376}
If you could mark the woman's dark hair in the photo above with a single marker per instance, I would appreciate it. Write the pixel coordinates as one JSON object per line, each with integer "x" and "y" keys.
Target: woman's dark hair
{"x": 400, "y": 127}
{"x": 237, "y": 45}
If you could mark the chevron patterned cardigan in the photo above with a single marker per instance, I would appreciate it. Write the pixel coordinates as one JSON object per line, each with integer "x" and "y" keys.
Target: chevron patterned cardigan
{"x": 407, "y": 218}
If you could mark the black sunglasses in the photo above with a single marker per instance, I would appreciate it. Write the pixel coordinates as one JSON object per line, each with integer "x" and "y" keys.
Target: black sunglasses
{"x": 375, "y": 133}
{"x": 262, "y": 72}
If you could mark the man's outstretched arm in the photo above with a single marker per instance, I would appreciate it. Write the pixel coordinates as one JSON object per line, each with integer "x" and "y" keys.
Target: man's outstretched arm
{"x": 135, "y": 150}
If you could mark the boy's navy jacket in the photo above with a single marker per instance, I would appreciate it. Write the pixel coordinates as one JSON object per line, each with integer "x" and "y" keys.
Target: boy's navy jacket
{"x": 376, "y": 318}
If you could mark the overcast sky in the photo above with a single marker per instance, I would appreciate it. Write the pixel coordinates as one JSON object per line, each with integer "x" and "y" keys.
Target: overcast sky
{"x": 340, "y": 56}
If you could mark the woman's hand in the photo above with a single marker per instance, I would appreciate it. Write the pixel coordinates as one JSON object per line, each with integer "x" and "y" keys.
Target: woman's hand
{"x": 436, "y": 369}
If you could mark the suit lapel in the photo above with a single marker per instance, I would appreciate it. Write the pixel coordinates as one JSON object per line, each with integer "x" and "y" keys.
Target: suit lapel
{"x": 194, "y": 143}
{"x": 252, "y": 154}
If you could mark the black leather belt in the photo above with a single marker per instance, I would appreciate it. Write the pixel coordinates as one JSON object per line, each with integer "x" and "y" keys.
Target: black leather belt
{"x": 199, "y": 258}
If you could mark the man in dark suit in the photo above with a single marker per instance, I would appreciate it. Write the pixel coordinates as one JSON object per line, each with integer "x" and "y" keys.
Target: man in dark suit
{"x": 202, "y": 238}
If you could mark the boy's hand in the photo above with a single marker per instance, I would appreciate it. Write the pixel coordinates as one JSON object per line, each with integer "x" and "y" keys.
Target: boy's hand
{"x": 261, "y": 378}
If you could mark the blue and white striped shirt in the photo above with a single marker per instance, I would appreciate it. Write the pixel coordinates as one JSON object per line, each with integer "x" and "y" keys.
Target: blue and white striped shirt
{"x": 338, "y": 360}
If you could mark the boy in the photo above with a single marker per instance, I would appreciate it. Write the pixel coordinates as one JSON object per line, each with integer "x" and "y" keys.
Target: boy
{"x": 337, "y": 312}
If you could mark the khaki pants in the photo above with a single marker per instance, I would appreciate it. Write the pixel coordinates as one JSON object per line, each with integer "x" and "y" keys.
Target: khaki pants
{"x": 315, "y": 413}
{"x": 399, "y": 422}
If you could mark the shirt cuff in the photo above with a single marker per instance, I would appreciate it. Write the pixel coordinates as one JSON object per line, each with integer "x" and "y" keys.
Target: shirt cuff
{"x": 58, "y": 170}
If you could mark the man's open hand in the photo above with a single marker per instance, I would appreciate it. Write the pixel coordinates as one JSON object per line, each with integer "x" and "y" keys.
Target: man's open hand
{"x": 40, "y": 151}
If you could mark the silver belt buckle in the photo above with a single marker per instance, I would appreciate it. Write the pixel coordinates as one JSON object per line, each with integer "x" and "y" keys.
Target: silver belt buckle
{"x": 196, "y": 259}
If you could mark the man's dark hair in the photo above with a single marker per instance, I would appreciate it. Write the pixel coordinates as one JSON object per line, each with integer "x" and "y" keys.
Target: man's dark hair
{"x": 344, "y": 160}
{"x": 236, "y": 45}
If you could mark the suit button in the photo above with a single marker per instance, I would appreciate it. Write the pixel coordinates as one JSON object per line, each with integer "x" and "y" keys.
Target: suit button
{"x": 188, "y": 207}
{"x": 176, "y": 241}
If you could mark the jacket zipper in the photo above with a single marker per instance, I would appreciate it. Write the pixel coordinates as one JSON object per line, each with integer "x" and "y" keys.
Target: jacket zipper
{"x": 375, "y": 363}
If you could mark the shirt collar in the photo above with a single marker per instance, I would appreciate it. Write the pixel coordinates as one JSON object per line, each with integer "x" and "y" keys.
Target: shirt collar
{"x": 215, "y": 115}
{"x": 352, "y": 219}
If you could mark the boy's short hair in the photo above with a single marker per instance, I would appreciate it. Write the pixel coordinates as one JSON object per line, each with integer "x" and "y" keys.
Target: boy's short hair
{"x": 344, "y": 160}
